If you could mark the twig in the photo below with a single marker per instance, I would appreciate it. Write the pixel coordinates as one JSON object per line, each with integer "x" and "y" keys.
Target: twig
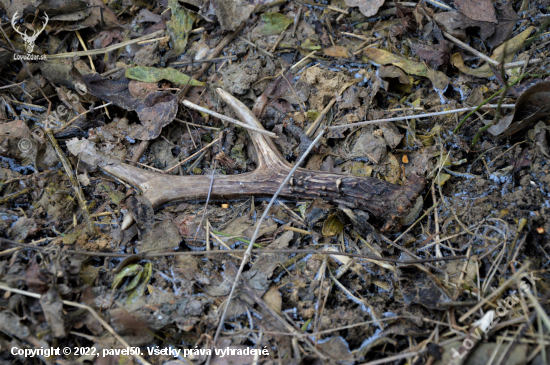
{"x": 320, "y": 118}
{"x": 358, "y": 36}
{"x": 257, "y": 230}
{"x": 207, "y": 200}
{"x": 258, "y": 48}
{"x": 470, "y": 49}
{"x": 417, "y": 116}
{"x": 522, "y": 63}
{"x": 440, "y": 4}
{"x": 197, "y": 125}
{"x": 302, "y": 60}
{"x": 165, "y": 38}
{"x": 82, "y": 306}
{"x": 255, "y": 252}
{"x": 192, "y": 156}
{"x": 73, "y": 180}
{"x": 189, "y": 104}
{"x": 106, "y": 49}
{"x": 214, "y": 59}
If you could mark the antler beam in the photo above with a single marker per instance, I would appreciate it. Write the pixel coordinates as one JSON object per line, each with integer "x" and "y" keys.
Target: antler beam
{"x": 378, "y": 197}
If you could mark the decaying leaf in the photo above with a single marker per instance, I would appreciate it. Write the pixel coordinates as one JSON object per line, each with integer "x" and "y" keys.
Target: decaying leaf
{"x": 275, "y": 23}
{"x": 456, "y": 25}
{"x": 155, "y": 111}
{"x": 231, "y": 13}
{"x": 140, "y": 288}
{"x": 163, "y": 236}
{"x": 332, "y": 226}
{"x": 507, "y": 19}
{"x": 381, "y": 57}
{"x": 52, "y": 306}
{"x": 367, "y": 7}
{"x": 154, "y": 74}
{"x": 434, "y": 54}
{"x": 336, "y": 51}
{"x": 273, "y": 299}
{"x": 419, "y": 286}
{"x": 178, "y": 28}
{"x": 532, "y": 106}
{"x": 510, "y": 47}
{"x": 482, "y": 10}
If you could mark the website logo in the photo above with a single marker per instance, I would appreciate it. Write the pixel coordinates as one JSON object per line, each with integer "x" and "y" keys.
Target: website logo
{"x": 29, "y": 39}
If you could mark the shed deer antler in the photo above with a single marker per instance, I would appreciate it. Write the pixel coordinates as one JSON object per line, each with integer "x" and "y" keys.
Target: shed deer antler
{"x": 29, "y": 40}
{"x": 380, "y": 198}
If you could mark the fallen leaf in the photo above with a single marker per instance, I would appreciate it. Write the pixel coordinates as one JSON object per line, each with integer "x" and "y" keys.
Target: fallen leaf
{"x": 507, "y": 19}
{"x": 140, "y": 288}
{"x": 274, "y": 299}
{"x": 274, "y": 23}
{"x": 367, "y": 7}
{"x": 332, "y": 226}
{"x": 482, "y": 10}
{"x": 154, "y": 74}
{"x": 456, "y": 25}
{"x": 511, "y": 47}
{"x": 231, "y": 13}
{"x": 394, "y": 72}
{"x": 178, "y": 28}
{"x": 163, "y": 236}
{"x": 381, "y": 57}
{"x": 532, "y": 106}
{"x": 435, "y": 55}
{"x": 419, "y": 286}
{"x": 157, "y": 110}
{"x": 336, "y": 51}
{"x": 52, "y": 307}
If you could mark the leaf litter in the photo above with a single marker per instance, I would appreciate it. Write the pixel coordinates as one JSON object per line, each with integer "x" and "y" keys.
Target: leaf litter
{"x": 115, "y": 74}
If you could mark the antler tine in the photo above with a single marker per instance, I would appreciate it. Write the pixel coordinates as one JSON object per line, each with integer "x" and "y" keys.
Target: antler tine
{"x": 268, "y": 154}
{"x": 46, "y": 18}
{"x": 13, "y": 19}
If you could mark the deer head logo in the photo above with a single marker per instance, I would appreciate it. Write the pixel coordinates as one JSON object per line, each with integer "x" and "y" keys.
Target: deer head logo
{"x": 29, "y": 40}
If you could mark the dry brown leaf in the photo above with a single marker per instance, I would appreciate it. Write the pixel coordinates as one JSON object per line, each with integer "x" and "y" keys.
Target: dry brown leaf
{"x": 367, "y": 7}
{"x": 482, "y": 10}
{"x": 274, "y": 299}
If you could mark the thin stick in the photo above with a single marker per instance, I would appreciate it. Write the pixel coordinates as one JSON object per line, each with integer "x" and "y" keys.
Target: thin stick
{"x": 521, "y": 63}
{"x": 255, "y": 235}
{"x": 215, "y": 59}
{"x": 12, "y": 85}
{"x": 189, "y": 104}
{"x": 197, "y": 125}
{"x": 106, "y": 49}
{"x": 83, "y": 44}
{"x": 255, "y": 251}
{"x": 440, "y": 4}
{"x": 192, "y": 156}
{"x": 470, "y": 49}
{"x": 78, "y": 305}
{"x": 320, "y": 118}
{"x": 358, "y": 36}
{"x": 207, "y": 200}
{"x": 154, "y": 40}
{"x": 258, "y": 48}
{"x": 302, "y": 60}
{"x": 416, "y": 116}
{"x": 73, "y": 180}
